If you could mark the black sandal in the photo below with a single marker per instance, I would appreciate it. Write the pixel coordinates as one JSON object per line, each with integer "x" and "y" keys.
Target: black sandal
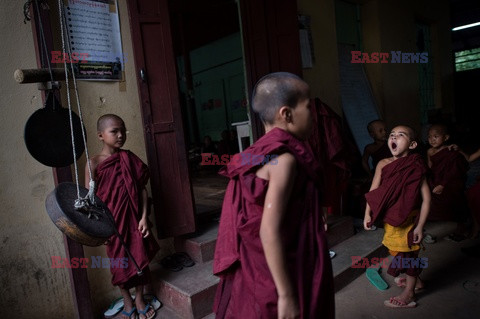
{"x": 183, "y": 259}
{"x": 171, "y": 263}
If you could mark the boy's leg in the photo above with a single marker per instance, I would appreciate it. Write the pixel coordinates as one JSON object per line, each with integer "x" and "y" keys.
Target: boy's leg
{"x": 140, "y": 303}
{"x": 127, "y": 301}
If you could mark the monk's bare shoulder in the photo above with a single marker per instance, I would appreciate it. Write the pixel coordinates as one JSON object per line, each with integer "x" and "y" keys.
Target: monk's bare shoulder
{"x": 384, "y": 162}
{"x": 283, "y": 164}
{"x": 96, "y": 160}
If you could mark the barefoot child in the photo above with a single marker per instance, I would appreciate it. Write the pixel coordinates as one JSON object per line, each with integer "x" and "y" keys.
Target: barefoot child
{"x": 272, "y": 254}
{"x": 400, "y": 195}
{"x": 121, "y": 178}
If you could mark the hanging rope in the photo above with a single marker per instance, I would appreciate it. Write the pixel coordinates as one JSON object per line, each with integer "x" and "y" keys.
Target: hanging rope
{"x": 87, "y": 201}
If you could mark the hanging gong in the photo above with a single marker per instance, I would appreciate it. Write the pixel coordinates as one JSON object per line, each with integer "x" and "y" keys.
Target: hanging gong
{"x": 87, "y": 230}
{"x": 48, "y": 135}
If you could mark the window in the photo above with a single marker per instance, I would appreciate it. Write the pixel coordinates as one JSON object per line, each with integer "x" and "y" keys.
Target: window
{"x": 467, "y": 60}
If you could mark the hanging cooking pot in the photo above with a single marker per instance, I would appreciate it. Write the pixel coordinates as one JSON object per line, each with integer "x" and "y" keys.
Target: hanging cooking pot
{"x": 48, "y": 134}
{"x": 90, "y": 228}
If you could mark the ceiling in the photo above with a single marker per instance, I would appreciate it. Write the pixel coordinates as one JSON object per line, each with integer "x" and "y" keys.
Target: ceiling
{"x": 465, "y": 12}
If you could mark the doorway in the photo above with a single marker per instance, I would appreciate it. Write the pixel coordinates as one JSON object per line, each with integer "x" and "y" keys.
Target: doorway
{"x": 207, "y": 44}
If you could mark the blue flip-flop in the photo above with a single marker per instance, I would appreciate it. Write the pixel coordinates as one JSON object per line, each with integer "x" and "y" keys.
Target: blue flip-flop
{"x": 129, "y": 314}
{"x": 153, "y": 301}
{"x": 144, "y": 311}
{"x": 115, "y": 307}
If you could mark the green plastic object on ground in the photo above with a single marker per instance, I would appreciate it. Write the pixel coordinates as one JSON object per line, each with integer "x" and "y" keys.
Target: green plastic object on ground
{"x": 375, "y": 278}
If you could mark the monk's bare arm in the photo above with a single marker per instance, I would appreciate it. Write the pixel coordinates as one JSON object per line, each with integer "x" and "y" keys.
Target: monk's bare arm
{"x": 143, "y": 223}
{"x": 281, "y": 177}
{"x": 474, "y": 156}
{"x": 375, "y": 183}
{"x": 424, "y": 210}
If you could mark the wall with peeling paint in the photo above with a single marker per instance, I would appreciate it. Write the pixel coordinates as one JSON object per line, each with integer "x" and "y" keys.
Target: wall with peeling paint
{"x": 29, "y": 287}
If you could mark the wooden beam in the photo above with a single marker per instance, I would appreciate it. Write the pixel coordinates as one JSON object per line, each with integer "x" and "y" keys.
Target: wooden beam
{"x": 38, "y": 75}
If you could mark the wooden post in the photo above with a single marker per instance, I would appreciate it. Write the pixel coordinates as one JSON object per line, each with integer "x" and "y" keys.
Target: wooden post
{"x": 78, "y": 277}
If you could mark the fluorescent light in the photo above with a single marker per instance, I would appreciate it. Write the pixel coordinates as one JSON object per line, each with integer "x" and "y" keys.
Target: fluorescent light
{"x": 466, "y": 26}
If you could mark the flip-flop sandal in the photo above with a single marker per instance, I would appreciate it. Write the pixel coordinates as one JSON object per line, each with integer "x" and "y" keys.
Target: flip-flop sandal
{"x": 376, "y": 279}
{"x": 332, "y": 253}
{"x": 129, "y": 314}
{"x": 153, "y": 301}
{"x": 171, "y": 263}
{"x": 183, "y": 259}
{"x": 399, "y": 303}
{"x": 115, "y": 307}
{"x": 144, "y": 312}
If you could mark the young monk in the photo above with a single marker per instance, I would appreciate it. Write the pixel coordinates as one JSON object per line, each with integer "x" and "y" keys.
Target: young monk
{"x": 120, "y": 178}
{"x": 400, "y": 195}
{"x": 272, "y": 254}
{"x": 377, "y": 150}
{"x": 448, "y": 173}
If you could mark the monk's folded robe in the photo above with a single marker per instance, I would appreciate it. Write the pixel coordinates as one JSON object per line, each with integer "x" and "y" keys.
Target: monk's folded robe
{"x": 399, "y": 192}
{"x": 246, "y": 289}
{"x": 449, "y": 169}
{"x": 381, "y": 153}
{"x": 120, "y": 179}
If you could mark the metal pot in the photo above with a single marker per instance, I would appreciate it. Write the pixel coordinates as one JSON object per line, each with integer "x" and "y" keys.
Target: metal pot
{"x": 93, "y": 231}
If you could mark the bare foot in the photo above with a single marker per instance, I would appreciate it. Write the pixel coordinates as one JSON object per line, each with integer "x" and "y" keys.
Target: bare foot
{"x": 399, "y": 302}
{"x": 141, "y": 309}
{"x": 402, "y": 283}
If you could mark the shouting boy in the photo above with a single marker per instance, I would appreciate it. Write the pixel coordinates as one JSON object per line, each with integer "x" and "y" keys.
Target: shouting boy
{"x": 400, "y": 195}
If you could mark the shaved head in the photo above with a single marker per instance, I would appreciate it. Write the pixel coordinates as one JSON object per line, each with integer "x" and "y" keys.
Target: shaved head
{"x": 105, "y": 119}
{"x": 275, "y": 90}
{"x": 440, "y": 128}
{"x": 411, "y": 132}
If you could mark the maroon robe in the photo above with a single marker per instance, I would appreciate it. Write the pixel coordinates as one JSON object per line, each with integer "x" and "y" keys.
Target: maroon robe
{"x": 399, "y": 191}
{"x": 333, "y": 150}
{"x": 120, "y": 179}
{"x": 449, "y": 169}
{"x": 247, "y": 289}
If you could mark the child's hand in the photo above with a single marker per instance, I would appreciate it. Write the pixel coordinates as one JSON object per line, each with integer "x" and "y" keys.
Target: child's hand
{"x": 453, "y": 147}
{"x": 288, "y": 308}
{"x": 417, "y": 235}
{"x": 437, "y": 189}
{"x": 143, "y": 227}
{"x": 367, "y": 219}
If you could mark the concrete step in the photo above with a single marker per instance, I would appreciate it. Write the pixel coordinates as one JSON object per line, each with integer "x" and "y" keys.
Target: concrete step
{"x": 364, "y": 244}
{"x": 201, "y": 245}
{"x": 189, "y": 292}
{"x": 340, "y": 228}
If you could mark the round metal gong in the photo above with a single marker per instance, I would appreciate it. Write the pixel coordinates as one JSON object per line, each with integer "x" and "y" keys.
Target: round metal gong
{"x": 87, "y": 230}
{"x": 48, "y": 136}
